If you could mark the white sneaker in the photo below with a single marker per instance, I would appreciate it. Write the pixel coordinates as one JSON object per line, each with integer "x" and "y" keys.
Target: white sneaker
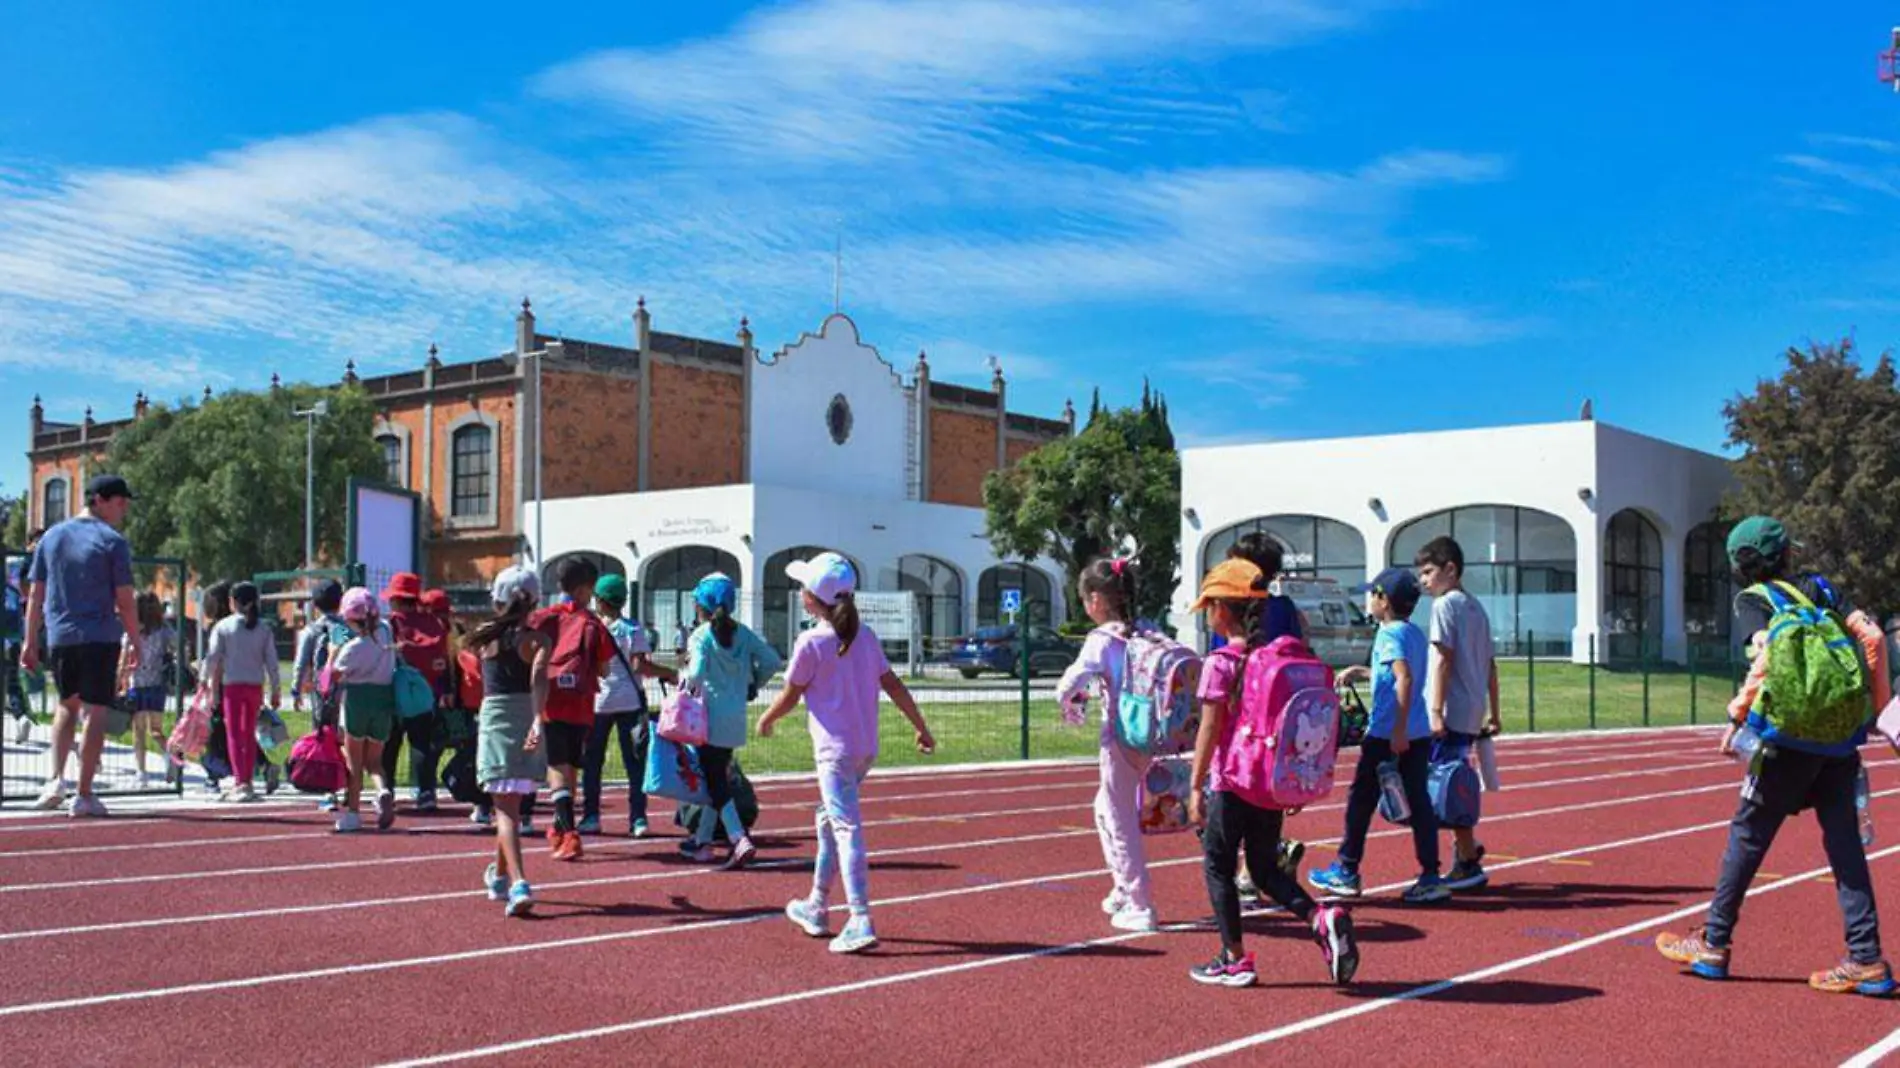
{"x": 1131, "y": 918}
{"x": 53, "y": 798}
{"x": 86, "y": 806}
{"x": 808, "y": 915}
{"x": 481, "y": 818}
{"x": 349, "y": 822}
{"x": 385, "y": 810}
{"x": 1114, "y": 902}
{"x": 22, "y": 730}
{"x": 246, "y": 795}
{"x": 856, "y": 937}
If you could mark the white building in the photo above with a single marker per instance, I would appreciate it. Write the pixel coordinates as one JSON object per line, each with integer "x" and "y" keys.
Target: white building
{"x": 1576, "y": 535}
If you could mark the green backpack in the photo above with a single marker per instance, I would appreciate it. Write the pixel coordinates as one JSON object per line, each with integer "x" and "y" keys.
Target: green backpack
{"x": 1814, "y": 697}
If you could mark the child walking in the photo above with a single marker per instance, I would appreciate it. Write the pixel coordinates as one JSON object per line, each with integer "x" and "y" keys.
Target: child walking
{"x": 1233, "y": 595}
{"x": 575, "y": 654}
{"x": 726, "y": 661}
{"x": 838, "y": 668}
{"x": 1790, "y": 774}
{"x": 146, "y": 682}
{"x": 365, "y": 668}
{"x": 510, "y": 760}
{"x": 1399, "y": 731}
{"x": 621, "y": 709}
{"x": 1107, "y": 589}
{"x": 242, "y": 657}
{"x": 1461, "y": 684}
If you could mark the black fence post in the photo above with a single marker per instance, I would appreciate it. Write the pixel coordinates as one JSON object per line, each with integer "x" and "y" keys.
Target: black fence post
{"x": 1692, "y": 684}
{"x": 1646, "y": 660}
{"x": 1593, "y": 682}
{"x": 1530, "y": 675}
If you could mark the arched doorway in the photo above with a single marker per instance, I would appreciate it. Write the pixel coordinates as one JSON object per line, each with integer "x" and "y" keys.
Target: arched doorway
{"x": 1708, "y": 591}
{"x": 1520, "y": 563}
{"x": 666, "y": 586}
{"x": 777, "y": 614}
{"x": 1632, "y": 584}
{"x": 1315, "y": 546}
{"x": 551, "y": 571}
{"x": 1038, "y": 594}
{"x": 939, "y": 593}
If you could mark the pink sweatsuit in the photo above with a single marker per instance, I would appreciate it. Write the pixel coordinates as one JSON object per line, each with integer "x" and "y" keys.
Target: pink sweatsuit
{"x": 1117, "y": 811}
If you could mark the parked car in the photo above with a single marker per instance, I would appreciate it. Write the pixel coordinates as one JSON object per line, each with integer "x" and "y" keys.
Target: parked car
{"x": 996, "y": 649}
{"x": 1336, "y": 624}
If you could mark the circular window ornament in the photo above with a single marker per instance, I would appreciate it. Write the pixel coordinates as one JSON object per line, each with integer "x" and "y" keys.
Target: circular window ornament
{"x": 838, "y": 419}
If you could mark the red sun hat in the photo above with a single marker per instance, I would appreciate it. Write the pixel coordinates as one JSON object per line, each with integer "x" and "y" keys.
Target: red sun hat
{"x": 436, "y": 601}
{"x": 404, "y": 586}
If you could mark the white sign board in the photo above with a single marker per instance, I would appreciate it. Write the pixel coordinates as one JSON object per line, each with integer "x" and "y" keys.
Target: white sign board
{"x": 891, "y": 616}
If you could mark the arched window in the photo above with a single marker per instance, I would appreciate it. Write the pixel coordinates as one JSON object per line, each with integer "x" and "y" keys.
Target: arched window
{"x": 667, "y": 581}
{"x": 53, "y": 502}
{"x": 393, "y": 467}
{"x": 1314, "y": 545}
{"x": 1633, "y": 581}
{"x": 1038, "y": 593}
{"x": 1520, "y": 563}
{"x": 472, "y": 472}
{"x": 939, "y": 594}
{"x": 551, "y": 571}
{"x": 777, "y": 612}
{"x": 1708, "y": 590}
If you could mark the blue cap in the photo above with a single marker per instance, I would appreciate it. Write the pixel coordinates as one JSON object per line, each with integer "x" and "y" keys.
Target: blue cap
{"x": 1397, "y": 585}
{"x": 716, "y": 591}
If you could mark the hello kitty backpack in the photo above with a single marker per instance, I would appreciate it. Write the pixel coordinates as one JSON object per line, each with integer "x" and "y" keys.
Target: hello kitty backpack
{"x": 1283, "y": 741}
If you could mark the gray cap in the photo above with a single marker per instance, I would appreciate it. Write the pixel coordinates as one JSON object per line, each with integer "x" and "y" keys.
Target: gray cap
{"x": 515, "y": 583}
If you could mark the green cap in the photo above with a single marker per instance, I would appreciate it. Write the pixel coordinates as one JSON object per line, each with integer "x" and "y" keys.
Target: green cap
{"x": 612, "y": 589}
{"x": 1761, "y": 533}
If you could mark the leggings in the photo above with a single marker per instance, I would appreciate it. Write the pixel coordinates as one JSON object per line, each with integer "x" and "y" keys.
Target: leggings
{"x": 422, "y": 755}
{"x": 716, "y": 762}
{"x": 1234, "y": 825}
{"x": 242, "y": 701}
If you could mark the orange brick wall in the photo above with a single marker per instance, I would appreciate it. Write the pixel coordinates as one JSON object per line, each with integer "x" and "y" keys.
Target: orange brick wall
{"x": 68, "y": 465}
{"x": 465, "y": 561}
{"x": 411, "y": 419}
{"x": 962, "y": 451}
{"x": 498, "y": 405}
{"x": 697, "y": 417}
{"x": 1021, "y": 447}
{"x": 592, "y": 434}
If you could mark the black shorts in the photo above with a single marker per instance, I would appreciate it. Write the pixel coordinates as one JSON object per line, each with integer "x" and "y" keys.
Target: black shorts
{"x": 89, "y": 672}
{"x": 566, "y": 743}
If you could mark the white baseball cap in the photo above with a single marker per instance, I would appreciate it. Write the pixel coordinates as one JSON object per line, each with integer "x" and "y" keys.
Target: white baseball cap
{"x": 828, "y": 576}
{"x": 515, "y": 582}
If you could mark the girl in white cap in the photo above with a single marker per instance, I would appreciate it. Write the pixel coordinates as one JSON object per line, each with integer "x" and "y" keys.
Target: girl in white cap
{"x": 510, "y": 761}
{"x": 838, "y": 668}
{"x": 365, "y": 667}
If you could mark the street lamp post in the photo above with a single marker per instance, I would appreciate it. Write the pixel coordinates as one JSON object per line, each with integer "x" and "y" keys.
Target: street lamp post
{"x": 310, "y": 416}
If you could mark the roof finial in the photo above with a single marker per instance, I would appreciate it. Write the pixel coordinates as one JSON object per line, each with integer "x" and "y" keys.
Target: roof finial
{"x": 923, "y": 360}
{"x": 641, "y": 304}
{"x": 433, "y": 359}
{"x": 525, "y": 306}
{"x": 88, "y": 413}
{"x": 276, "y": 383}
{"x": 1068, "y": 412}
{"x": 349, "y": 371}
{"x": 207, "y": 393}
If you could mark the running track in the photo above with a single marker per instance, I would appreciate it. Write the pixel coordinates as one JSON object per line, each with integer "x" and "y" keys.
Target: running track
{"x": 255, "y": 937}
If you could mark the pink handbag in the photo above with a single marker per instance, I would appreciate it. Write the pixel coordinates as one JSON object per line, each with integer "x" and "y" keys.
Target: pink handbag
{"x": 683, "y": 717}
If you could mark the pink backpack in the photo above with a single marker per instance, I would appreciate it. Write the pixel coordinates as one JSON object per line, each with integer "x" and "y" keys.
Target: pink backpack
{"x": 683, "y": 717}
{"x": 193, "y": 731}
{"x": 316, "y": 762}
{"x": 1282, "y": 742}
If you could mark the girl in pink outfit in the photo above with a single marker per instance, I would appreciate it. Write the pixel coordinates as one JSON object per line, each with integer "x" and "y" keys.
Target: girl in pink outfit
{"x": 1108, "y": 595}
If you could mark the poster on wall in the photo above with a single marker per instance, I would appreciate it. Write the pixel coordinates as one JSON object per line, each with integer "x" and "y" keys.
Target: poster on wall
{"x": 384, "y": 532}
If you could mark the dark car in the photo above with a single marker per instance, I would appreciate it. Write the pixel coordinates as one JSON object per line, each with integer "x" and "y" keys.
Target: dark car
{"x": 996, "y": 649}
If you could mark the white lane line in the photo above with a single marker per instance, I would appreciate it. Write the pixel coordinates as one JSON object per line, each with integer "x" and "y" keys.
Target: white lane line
{"x": 795, "y": 997}
{"x": 1875, "y": 1053}
{"x": 530, "y": 947}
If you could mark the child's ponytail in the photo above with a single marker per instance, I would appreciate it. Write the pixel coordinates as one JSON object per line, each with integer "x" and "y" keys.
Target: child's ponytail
{"x": 724, "y": 627}
{"x": 244, "y": 596}
{"x": 843, "y": 618}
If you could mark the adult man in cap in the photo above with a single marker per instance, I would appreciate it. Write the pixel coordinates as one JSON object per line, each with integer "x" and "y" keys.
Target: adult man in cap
{"x": 82, "y": 591}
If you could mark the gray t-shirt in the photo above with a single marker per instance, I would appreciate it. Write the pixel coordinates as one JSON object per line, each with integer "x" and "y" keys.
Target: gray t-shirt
{"x": 84, "y": 564}
{"x": 1460, "y": 626}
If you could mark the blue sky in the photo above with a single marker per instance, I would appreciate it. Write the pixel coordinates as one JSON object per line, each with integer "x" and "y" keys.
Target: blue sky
{"x": 1298, "y": 217}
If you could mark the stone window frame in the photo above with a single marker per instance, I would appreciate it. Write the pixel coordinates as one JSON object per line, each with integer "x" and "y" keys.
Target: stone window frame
{"x": 404, "y": 439}
{"x": 64, "y": 481}
{"x": 491, "y": 516}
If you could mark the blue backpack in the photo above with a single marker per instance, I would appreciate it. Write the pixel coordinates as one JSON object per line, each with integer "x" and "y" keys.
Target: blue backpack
{"x": 414, "y": 696}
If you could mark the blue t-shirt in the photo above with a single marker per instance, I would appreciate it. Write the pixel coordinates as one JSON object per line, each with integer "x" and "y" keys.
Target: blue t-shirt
{"x": 83, "y": 563}
{"x": 1396, "y": 641}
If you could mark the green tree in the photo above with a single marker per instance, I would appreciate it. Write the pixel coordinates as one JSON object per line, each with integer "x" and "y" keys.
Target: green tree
{"x": 222, "y": 484}
{"x": 1117, "y": 482}
{"x": 13, "y": 513}
{"x": 1823, "y": 455}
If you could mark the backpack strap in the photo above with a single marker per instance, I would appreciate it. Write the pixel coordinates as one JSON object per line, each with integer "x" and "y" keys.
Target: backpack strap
{"x": 1781, "y": 596}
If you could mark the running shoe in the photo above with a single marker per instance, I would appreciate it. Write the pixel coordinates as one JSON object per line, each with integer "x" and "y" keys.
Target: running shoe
{"x": 1336, "y": 879}
{"x": 1468, "y": 874}
{"x": 348, "y": 822}
{"x": 53, "y": 798}
{"x": 588, "y": 825}
{"x": 86, "y": 806}
{"x": 1703, "y": 959}
{"x": 520, "y": 899}
{"x": 22, "y": 729}
{"x": 496, "y": 882}
{"x": 527, "y": 825}
{"x": 1224, "y": 971}
{"x": 482, "y": 817}
{"x": 246, "y": 795}
{"x": 1243, "y": 885}
{"x": 327, "y": 804}
{"x": 1332, "y": 929}
{"x": 273, "y": 778}
{"x": 568, "y": 848}
{"x": 638, "y": 830}
{"x": 425, "y": 803}
{"x": 1290, "y": 852}
{"x": 857, "y": 935}
{"x": 742, "y": 853}
{"x": 1114, "y": 902}
{"x": 1131, "y": 918}
{"x": 702, "y": 855}
{"x": 385, "y": 810}
{"x": 1869, "y": 980}
{"x": 809, "y": 916}
{"x": 1429, "y": 890}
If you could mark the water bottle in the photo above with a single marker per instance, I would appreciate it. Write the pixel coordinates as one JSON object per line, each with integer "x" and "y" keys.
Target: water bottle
{"x": 1862, "y": 794}
{"x": 1747, "y": 743}
{"x": 1392, "y": 800}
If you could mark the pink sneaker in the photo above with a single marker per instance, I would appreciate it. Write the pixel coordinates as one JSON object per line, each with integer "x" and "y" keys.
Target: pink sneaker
{"x": 1332, "y": 929}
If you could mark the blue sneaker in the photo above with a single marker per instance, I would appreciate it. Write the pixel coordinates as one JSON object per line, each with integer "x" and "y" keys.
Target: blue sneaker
{"x": 520, "y": 899}
{"x": 327, "y": 803}
{"x": 1429, "y": 890}
{"x": 497, "y": 884}
{"x": 1336, "y": 879}
{"x": 1468, "y": 874}
{"x": 588, "y": 825}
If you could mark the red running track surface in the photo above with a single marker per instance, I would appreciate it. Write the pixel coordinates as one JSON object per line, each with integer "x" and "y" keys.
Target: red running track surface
{"x": 256, "y": 937}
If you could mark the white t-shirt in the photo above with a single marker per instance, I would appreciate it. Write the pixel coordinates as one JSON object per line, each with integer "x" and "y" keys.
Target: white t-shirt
{"x": 367, "y": 661}
{"x": 618, "y": 691}
{"x": 841, "y": 693}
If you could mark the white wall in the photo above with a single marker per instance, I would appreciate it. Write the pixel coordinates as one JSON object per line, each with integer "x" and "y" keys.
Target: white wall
{"x": 791, "y": 443}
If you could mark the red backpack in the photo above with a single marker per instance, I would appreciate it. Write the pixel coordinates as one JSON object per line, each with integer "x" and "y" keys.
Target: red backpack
{"x": 574, "y": 666}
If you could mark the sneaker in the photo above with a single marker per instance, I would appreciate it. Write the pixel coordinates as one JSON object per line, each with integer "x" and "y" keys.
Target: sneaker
{"x": 481, "y": 817}
{"x": 1468, "y": 874}
{"x": 1336, "y": 879}
{"x": 856, "y": 937}
{"x": 86, "y": 806}
{"x": 1243, "y": 885}
{"x": 1291, "y": 852}
{"x": 1332, "y": 929}
{"x": 1114, "y": 902}
{"x": 1703, "y": 959}
{"x": 1224, "y": 972}
{"x": 742, "y": 853}
{"x": 527, "y": 825}
{"x": 246, "y": 795}
{"x": 1131, "y": 918}
{"x": 568, "y": 847}
{"x": 702, "y": 854}
{"x": 328, "y": 804}
{"x": 1871, "y": 980}
{"x": 638, "y": 830}
{"x": 273, "y": 778}
{"x": 496, "y": 882}
{"x": 588, "y": 825}
{"x": 385, "y": 810}
{"x": 53, "y": 798}
{"x": 22, "y": 730}
{"x": 808, "y": 916}
{"x": 349, "y": 822}
{"x": 425, "y": 804}
{"x": 520, "y": 899}
{"x": 1429, "y": 890}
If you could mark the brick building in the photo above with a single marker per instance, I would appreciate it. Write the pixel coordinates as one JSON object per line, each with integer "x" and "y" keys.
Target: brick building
{"x": 633, "y": 438}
